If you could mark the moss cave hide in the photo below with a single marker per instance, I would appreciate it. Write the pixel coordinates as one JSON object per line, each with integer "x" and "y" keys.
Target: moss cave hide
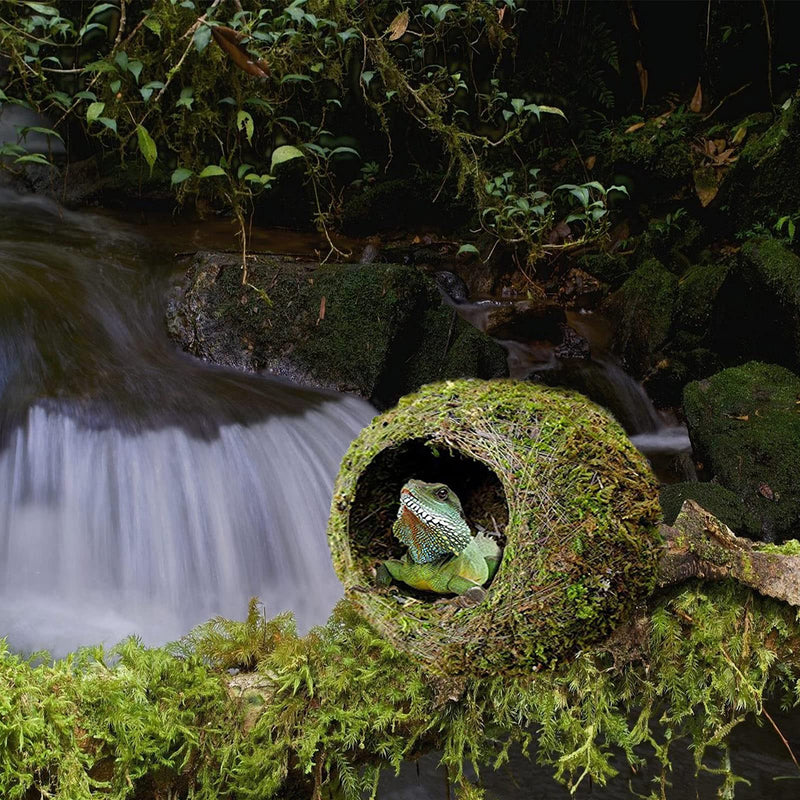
{"x": 575, "y": 502}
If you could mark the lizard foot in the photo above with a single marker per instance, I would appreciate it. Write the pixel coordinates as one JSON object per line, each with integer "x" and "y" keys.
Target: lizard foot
{"x": 468, "y": 599}
{"x": 382, "y": 575}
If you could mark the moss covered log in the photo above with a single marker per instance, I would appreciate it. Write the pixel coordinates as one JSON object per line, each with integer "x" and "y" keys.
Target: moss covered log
{"x": 553, "y": 473}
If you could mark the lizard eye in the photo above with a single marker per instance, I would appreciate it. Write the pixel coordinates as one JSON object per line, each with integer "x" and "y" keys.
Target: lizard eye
{"x": 442, "y": 493}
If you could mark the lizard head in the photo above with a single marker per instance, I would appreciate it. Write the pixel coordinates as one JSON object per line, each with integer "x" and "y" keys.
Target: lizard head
{"x": 434, "y": 513}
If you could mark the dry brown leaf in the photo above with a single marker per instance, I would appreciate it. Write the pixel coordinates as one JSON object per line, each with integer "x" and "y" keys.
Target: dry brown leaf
{"x": 501, "y": 12}
{"x": 765, "y": 490}
{"x": 635, "y": 127}
{"x": 321, "y": 310}
{"x": 697, "y": 99}
{"x": 231, "y": 42}
{"x": 642, "y": 79}
{"x": 719, "y": 144}
{"x": 738, "y": 137}
{"x": 399, "y": 25}
{"x": 706, "y": 184}
{"x": 590, "y": 162}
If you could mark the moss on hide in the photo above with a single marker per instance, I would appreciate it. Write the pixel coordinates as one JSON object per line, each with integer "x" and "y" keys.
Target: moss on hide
{"x": 581, "y": 507}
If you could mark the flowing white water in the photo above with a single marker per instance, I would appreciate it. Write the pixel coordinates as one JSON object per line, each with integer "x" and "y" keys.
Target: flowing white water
{"x": 142, "y": 492}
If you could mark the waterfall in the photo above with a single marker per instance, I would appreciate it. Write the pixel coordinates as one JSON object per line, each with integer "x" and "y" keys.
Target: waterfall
{"x": 141, "y": 491}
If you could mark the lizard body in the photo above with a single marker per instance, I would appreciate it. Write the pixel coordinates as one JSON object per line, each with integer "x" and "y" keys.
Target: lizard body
{"x": 443, "y": 556}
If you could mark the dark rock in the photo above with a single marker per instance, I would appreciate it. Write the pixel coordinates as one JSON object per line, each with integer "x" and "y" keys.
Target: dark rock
{"x": 400, "y": 204}
{"x": 579, "y": 289}
{"x": 369, "y": 254}
{"x": 757, "y": 310}
{"x": 642, "y": 311}
{"x": 606, "y": 267}
{"x": 763, "y": 185}
{"x": 452, "y": 285}
{"x": 526, "y": 321}
{"x": 697, "y": 294}
{"x": 744, "y": 423}
{"x": 377, "y": 330}
{"x": 721, "y": 502}
{"x": 572, "y": 344}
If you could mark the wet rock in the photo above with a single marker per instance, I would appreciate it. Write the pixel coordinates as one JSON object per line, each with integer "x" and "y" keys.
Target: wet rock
{"x": 607, "y": 267}
{"x": 757, "y": 308}
{"x": 572, "y": 344}
{"x": 579, "y": 289}
{"x": 452, "y": 285}
{"x": 642, "y": 311}
{"x": 526, "y": 321}
{"x": 376, "y": 330}
{"x": 745, "y": 429}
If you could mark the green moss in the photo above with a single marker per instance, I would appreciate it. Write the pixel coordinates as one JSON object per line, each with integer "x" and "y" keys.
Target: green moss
{"x": 380, "y": 330}
{"x": 744, "y": 423}
{"x": 762, "y": 185}
{"x": 567, "y": 472}
{"x": 642, "y": 309}
{"x": 322, "y": 715}
{"x": 721, "y": 502}
{"x": 697, "y": 291}
{"x": 611, "y": 269}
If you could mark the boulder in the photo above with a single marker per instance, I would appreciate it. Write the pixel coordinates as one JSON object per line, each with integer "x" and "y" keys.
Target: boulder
{"x": 744, "y": 423}
{"x": 642, "y": 311}
{"x": 757, "y": 309}
{"x": 762, "y": 186}
{"x": 378, "y": 330}
{"x": 526, "y": 321}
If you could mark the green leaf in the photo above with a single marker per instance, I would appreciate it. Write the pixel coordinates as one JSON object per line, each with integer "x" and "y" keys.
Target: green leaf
{"x": 39, "y": 129}
{"x": 121, "y": 60}
{"x": 108, "y": 122}
{"x": 284, "y": 153}
{"x": 244, "y": 121}
{"x": 344, "y": 150}
{"x": 211, "y": 171}
{"x": 147, "y": 90}
{"x": 135, "y": 68}
{"x": 201, "y": 38}
{"x": 517, "y": 104}
{"x": 186, "y": 98}
{"x": 468, "y": 248}
{"x": 180, "y": 175}
{"x": 99, "y": 9}
{"x": 552, "y": 110}
{"x": 41, "y": 8}
{"x": 94, "y": 111}
{"x": 367, "y": 76}
{"x": 32, "y": 158}
{"x": 114, "y": 86}
{"x": 295, "y": 78}
{"x": 153, "y": 25}
{"x": 147, "y": 146}
{"x": 87, "y": 95}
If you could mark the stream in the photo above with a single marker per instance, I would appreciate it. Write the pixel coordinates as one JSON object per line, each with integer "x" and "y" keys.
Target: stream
{"x": 142, "y": 491}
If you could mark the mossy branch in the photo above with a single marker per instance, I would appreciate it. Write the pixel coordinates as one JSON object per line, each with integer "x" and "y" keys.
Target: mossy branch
{"x": 698, "y": 545}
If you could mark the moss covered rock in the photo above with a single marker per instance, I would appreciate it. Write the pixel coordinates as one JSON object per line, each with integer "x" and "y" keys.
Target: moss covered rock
{"x": 575, "y": 501}
{"x": 744, "y": 424}
{"x": 379, "y": 330}
{"x": 642, "y": 310}
{"x": 763, "y": 184}
{"x": 757, "y": 310}
{"x": 721, "y": 502}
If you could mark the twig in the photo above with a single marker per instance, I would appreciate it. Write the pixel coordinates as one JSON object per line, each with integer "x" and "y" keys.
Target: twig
{"x": 769, "y": 49}
{"x": 725, "y": 99}
{"x": 783, "y": 738}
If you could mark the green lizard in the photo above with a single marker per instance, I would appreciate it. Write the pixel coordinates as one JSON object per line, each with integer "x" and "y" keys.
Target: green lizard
{"x": 443, "y": 556}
